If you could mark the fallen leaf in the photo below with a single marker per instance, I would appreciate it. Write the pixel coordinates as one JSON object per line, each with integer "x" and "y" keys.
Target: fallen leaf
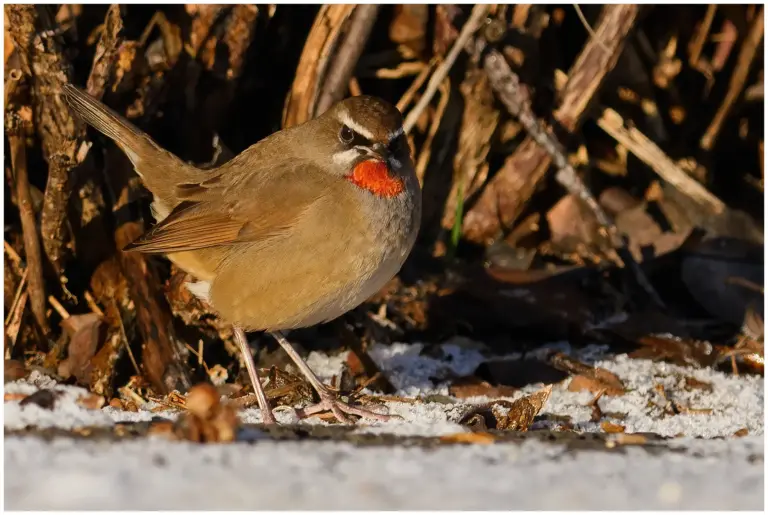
{"x": 680, "y": 351}
{"x": 479, "y": 437}
{"x": 202, "y": 400}
{"x": 84, "y": 333}
{"x": 472, "y": 386}
{"x": 524, "y": 410}
{"x": 691, "y": 383}
{"x": 593, "y": 379}
{"x": 163, "y": 428}
{"x": 626, "y": 439}
{"x": 506, "y": 415}
{"x": 8, "y": 397}
{"x": 91, "y": 401}
{"x": 610, "y": 427}
{"x": 207, "y": 419}
{"x": 741, "y": 432}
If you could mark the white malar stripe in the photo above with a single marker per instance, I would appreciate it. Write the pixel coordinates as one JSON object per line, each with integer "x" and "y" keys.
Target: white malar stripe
{"x": 346, "y": 158}
{"x": 349, "y": 122}
{"x": 200, "y": 289}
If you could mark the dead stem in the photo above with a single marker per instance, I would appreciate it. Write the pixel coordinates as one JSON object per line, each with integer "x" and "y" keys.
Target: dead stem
{"x": 474, "y": 22}
{"x": 649, "y": 153}
{"x": 106, "y": 53}
{"x": 345, "y": 60}
{"x": 743, "y": 64}
{"x": 17, "y": 144}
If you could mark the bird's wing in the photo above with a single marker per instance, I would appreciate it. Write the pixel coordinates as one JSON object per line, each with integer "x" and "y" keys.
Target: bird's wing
{"x": 215, "y": 216}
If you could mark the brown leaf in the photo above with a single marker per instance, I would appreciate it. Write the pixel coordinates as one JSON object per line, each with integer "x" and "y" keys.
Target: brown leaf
{"x": 593, "y": 379}
{"x": 741, "y": 432}
{"x": 691, "y": 383}
{"x": 610, "y": 427}
{"x": 479, "y": 437}
{"x": 593, "y": 384}
{"x": 506, "y": 415}
{"x": 163, "y": 427}
{"x": 409, "y": 27}
{"x": 475, "y": 387}
{"x": 91, "y": 401}
{"x": 626, "y": 439}
{"x": 206, "y": 419}
{"x": 680, "y": 351}
{"x": 84, "y": 332}
{"x": 524, "y": 410}
{"x": 203, "y": 400}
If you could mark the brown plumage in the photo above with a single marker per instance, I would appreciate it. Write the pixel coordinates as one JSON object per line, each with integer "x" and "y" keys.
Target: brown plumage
{"x": 297, "y": 229}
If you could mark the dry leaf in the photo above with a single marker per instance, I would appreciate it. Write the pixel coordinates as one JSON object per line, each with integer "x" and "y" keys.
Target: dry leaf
{"x": 475, "y": 387}
{"x": 626, "y": 439}
{"x": 593, "y": 379}
{"x": 207, "y": 419}
{"x": 91, "y": 401}
{"x": 506, "y": 415}
{"x": 610, "y": 427}
{"x": 524, "y": 410}
{"x": 593, "y": 384}
{"x": 84, "y": 332}
{"x": 691, "y": 383}
{"x": 479, "y": 437}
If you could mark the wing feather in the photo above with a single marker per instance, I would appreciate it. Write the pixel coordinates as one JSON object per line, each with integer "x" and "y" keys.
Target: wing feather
{"x": 214, "y": 218}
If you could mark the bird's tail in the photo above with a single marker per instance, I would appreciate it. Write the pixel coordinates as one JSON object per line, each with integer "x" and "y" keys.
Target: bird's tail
{"x": 148, "y": 157}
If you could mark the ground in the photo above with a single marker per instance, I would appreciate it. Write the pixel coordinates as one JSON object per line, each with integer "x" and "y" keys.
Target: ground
{"x": 690, "y": 459}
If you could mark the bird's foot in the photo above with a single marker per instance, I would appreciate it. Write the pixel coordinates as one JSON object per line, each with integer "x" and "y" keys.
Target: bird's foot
{"x": 329, "y": 401}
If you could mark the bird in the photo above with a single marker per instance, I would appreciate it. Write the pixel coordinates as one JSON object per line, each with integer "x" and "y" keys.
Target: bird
{"x": 298, "y": 229}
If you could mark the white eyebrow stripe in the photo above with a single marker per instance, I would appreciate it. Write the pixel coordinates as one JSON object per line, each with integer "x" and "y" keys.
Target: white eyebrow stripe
{"x": 399, "y": 132}
{"x": 349, "y": 122}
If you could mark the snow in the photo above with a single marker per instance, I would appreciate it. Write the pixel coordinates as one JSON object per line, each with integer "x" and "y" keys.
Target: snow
{"x": 690, "y": 471}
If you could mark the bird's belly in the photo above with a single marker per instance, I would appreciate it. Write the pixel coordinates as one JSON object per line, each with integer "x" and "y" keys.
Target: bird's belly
{"x": 286, "y": 288}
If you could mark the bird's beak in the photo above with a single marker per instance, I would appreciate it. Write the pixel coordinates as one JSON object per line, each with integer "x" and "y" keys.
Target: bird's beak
{"x": 383, "y": 153}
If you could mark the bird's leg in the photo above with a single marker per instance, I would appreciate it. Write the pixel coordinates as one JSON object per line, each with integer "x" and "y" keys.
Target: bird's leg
{"x": 328, "y": 399}
{"x": 261, "y": 397}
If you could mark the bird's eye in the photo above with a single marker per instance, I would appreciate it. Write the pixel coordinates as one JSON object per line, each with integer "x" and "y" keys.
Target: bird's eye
{"x": 346, "y": 135}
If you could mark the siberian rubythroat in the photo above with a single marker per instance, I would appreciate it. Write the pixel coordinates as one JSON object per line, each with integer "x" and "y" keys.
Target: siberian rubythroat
{"x": 298, "y": 229}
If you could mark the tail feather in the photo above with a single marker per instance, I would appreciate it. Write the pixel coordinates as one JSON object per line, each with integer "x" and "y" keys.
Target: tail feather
{"x": 143, "y": 152}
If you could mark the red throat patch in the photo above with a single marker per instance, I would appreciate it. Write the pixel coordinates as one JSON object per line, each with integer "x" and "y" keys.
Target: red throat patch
{"x": 374, "y": 176}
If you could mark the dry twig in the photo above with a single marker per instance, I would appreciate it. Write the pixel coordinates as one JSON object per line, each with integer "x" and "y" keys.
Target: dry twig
{"x": 648, "y": 152}
{"x": 14, "y": 126}
{"x": 738, "y": 80}
{"x": 474, "y": 22}
{"x": 504, "y": 197}
{"x": 313, "y": 64}
{"x": 106, "y": 53}
{"x": 48, "y": 70}
{"x": 340, "y": 71}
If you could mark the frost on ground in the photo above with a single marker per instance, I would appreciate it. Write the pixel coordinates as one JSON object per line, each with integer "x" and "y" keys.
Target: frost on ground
{"x": 681, "y": 473}
{"x": 733, "y": 404}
